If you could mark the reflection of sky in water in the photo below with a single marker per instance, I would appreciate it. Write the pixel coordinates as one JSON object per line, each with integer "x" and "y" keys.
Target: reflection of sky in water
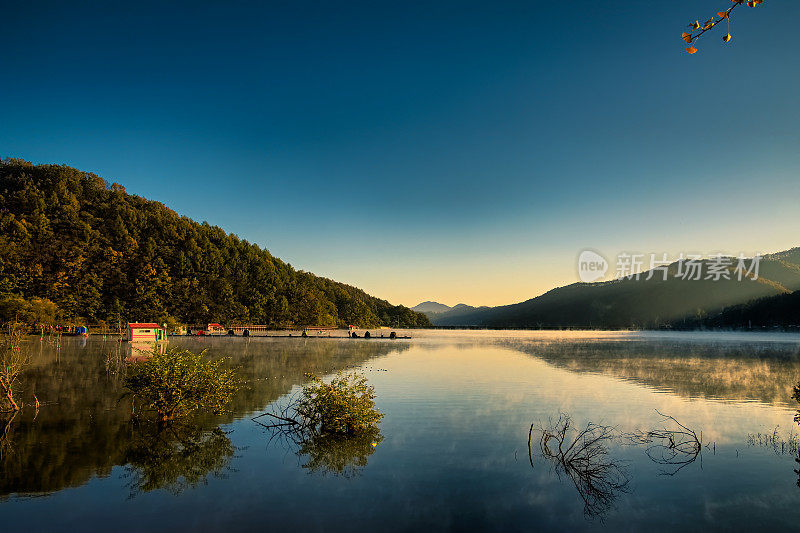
{"x": 458, "y": 407}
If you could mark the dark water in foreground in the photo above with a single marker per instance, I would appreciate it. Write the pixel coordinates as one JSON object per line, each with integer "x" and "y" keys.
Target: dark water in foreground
{"x": 453, "y": 450}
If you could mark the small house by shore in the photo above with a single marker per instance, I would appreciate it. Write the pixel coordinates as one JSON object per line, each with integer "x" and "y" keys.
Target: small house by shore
{"x": 145, "y": 331}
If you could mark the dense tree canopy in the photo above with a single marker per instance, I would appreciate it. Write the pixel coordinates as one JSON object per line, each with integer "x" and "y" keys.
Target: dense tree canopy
{"x": 69, "y": 237}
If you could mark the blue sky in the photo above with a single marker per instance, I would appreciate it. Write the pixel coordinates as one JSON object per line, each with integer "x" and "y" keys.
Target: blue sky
{"x": 454, "y": 151}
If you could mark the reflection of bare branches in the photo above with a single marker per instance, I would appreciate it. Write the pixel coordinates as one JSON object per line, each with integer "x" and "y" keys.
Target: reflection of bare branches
{"x": 115, "y": 360}
{"x": 285, "y": 415}
{"x": 6, "y": 444}
{"x": 283, "y": 428}
{"x": 675, "y": 448}
{"x": 339, "y": 455}
{"x": 583, "y": 456}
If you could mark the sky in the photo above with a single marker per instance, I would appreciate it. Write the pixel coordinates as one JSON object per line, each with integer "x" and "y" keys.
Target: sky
{"x": 449, "y": 151}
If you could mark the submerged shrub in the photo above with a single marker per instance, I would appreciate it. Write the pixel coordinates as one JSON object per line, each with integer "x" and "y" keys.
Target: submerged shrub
{"x": 179, "y": 382}
{"x": 345, "y": 406}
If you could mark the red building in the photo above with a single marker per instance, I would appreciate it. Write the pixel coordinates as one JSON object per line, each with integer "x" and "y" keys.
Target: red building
{"x": 145, "y": 331}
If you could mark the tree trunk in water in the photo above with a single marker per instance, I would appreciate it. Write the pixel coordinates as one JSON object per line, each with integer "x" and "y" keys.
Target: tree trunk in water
{"x": 14, "y": 406}
{"x": 7, "y": 391}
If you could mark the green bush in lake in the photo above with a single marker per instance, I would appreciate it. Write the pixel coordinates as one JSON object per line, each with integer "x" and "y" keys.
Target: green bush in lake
{"x": 344, "y": 406}
{"x": 334, "y": 425}
{"x": 179, "y": 382}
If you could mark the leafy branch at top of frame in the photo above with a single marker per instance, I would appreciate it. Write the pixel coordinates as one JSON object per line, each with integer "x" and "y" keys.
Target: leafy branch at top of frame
{"x": 690, "y": 37}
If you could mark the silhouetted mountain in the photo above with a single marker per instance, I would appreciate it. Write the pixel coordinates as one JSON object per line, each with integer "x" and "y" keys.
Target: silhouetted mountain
{"x": 632, "y": 303}
{"x": 431, "y": 308}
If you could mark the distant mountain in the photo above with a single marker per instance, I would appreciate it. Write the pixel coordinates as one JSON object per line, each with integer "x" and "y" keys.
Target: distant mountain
{"x": 635, "y": 303}
{"x": 455, "y": 314}
{"x": 431, "y": 307}
{"x": 442, "y": 312}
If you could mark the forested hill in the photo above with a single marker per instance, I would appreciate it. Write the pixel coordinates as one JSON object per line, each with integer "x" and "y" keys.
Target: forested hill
{"x": 102, "y": 254}
{"x": 781, "y": 311}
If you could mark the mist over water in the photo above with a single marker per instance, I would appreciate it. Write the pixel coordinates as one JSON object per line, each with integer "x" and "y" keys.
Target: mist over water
{"x": 453, "y": 447}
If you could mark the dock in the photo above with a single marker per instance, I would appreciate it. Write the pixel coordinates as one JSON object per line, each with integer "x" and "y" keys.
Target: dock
{"x": 300, "y": 332}
{"x": 300, "y": 336}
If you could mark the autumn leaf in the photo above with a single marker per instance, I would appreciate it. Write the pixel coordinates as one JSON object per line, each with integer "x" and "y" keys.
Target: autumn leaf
{"x": 687, "y": 37}
{"x": 691, "y": 50}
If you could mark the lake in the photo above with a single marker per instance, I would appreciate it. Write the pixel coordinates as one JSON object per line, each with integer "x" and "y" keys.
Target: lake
{"x": 461, "y": 408}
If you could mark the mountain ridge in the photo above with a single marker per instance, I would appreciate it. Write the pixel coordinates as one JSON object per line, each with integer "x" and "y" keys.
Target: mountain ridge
{"x": 623, "y": 303}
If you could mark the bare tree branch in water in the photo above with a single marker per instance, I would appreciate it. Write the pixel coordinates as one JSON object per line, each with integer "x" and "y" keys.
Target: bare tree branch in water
{"x": 14, "y": 358}
{"x": 582, "y": 455}
{"x": 284, "y": 414}
{"x": 283, "y": 424}
{"x": 675, "y": 447}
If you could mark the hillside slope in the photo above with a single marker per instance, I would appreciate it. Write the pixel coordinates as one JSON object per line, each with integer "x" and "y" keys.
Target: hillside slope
{"x": 102, "y": 254}
{"x": 779, "y": 311}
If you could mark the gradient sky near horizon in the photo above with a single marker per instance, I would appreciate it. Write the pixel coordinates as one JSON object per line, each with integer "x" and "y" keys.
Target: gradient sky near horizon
{"x": 450, "y": 151}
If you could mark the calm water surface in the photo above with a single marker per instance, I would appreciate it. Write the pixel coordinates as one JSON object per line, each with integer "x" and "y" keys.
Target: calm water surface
{"x": 452, "y": 453}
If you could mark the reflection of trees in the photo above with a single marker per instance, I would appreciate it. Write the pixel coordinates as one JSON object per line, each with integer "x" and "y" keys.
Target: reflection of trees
{"x": 763, "y": 372}
{"x": 176, "y": 458}
{"x": 582, "y": 455}
{"x": 337, "y": 454}
{"x": 83, "y": 429}
{"x": 80, "y": 431}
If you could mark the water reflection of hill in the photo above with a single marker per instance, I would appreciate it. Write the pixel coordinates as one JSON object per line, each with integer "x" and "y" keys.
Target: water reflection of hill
{"x": 742, "y": 372}
{"x": 83, "y": 429}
